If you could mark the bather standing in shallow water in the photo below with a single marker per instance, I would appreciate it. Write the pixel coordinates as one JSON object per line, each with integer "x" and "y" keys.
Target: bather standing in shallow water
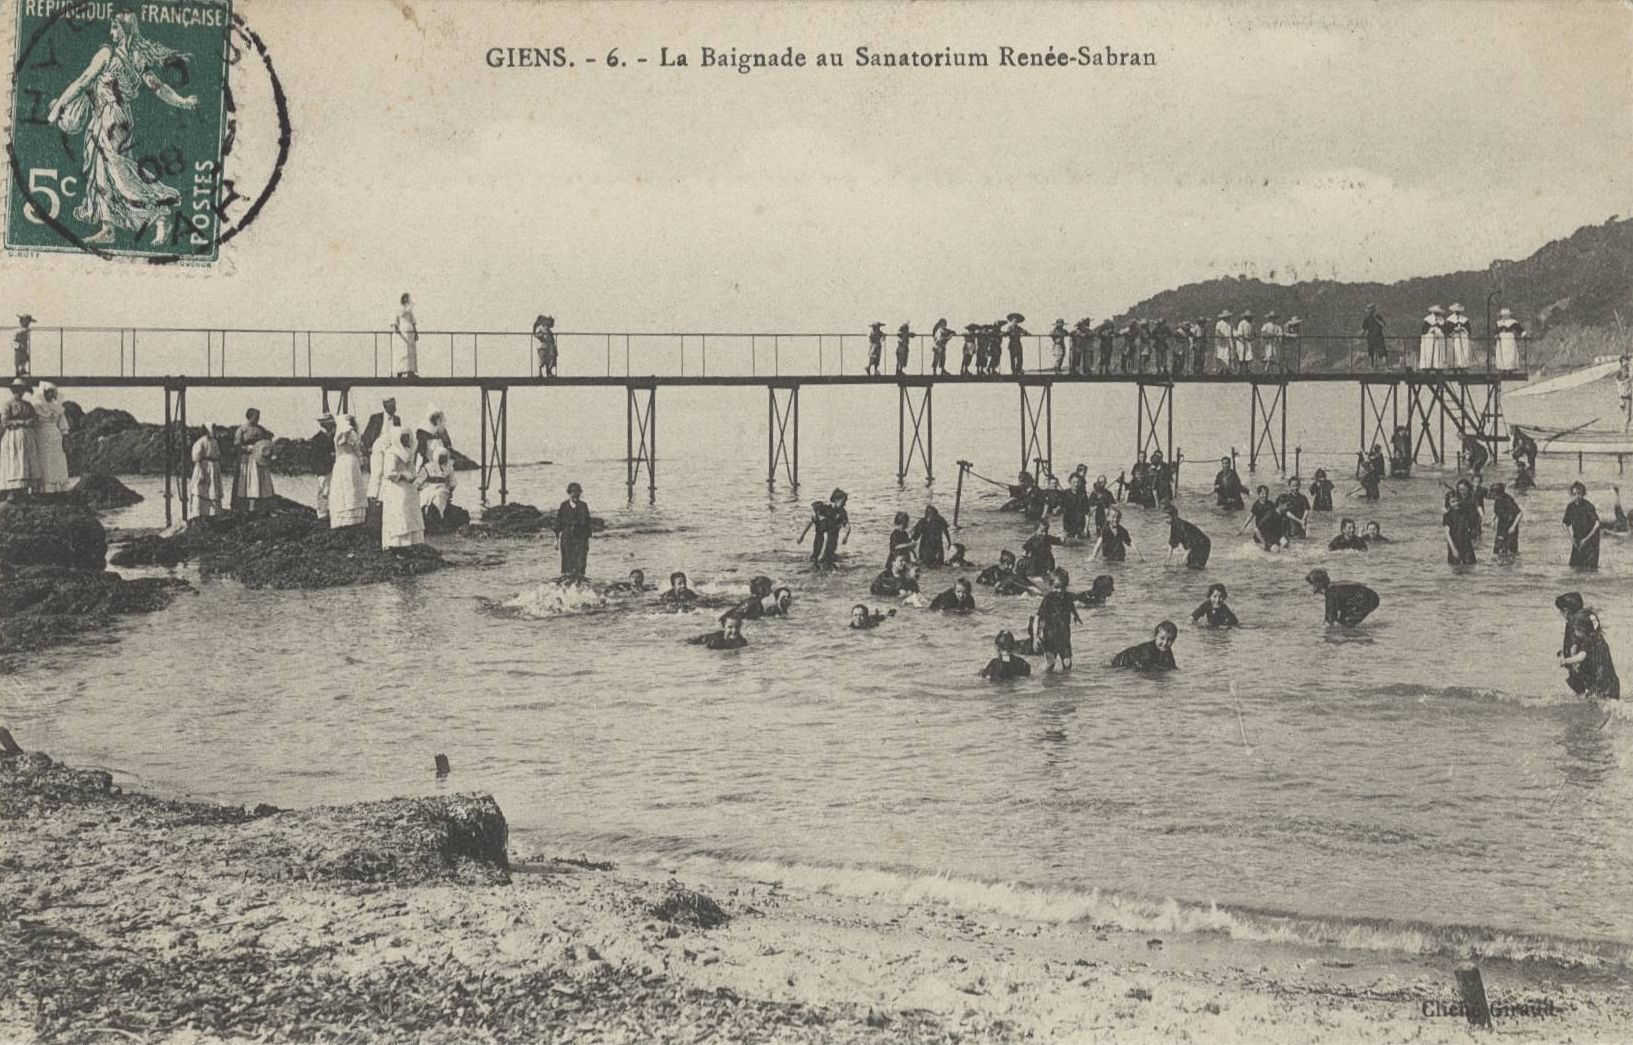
{"x": 1182, "y": 534}
{"x": 1582, "y": 520}
{"x": 931, "y": 535}
{"x": 1006, "y": 665}
{"x": 1348, "y": 603}
{"x": 1155, "y": 655}
{"x": 573, "y": 532}
{"x": 1114, "y": 541}
{"x": 1586, "y": 660}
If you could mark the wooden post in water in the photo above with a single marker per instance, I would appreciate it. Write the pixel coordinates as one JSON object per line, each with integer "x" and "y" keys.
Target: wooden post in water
{"x": 442, "y": 766}
{"x": 1474, "y": 995}
{"x": 958, "y": 494}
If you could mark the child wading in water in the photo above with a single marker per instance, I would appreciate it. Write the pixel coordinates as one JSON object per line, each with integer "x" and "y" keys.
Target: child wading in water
{"x": 1156, "y": 655}
{"x": 1213, "y": 610}
{"x": 1055, "y": 616}
{"x": 1586, "y": 660}
{"x": 1005, "y": 665}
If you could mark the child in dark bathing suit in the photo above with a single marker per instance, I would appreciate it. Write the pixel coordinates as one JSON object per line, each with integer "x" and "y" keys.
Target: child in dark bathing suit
{"x": 1055, "y": 616}
{"x": 1348, "y": 603}
{"x": 1182, "y": 534}
{"x": 1213, "y": 610}
{"x": 1589, "y": 670}
{"x": 730, "y": 636}
{"x": 1113, "y": 543}
{"x": 1101, "y": 590}
{"x": 1374, "y": 535}
{"x": 679, "y": 593}
{"x": 863, "y": 619}
{"x": 1347, "y": 539}
{"x": 957, "y": 599}
{"x": 1321, "y": 491}
{"x": 901, "y": 540}
{"x": 993, "y": 574}
{"x": 1006, "y": 665}
{"x": 1267, "y": 521}
{"x": 1156, "y": 655}
{"x": 1507, "y": 512}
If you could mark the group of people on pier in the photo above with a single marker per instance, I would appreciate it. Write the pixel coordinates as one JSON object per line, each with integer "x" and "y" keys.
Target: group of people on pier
{"x": 1230, "y": 342}
{"x": 33, "y": 447}
{"x": 407, "y": 483}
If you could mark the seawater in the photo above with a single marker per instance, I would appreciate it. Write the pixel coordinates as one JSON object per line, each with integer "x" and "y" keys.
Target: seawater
{"x": 1424, "y": 783}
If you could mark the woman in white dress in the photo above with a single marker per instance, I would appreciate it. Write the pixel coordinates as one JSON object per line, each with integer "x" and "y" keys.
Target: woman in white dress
{"x": 1432, "y": 340}
{"x": 1509, "y": 332}
{"x": 405, "y": 341}
{"x": 1459, "y": 351}
{"x": 401, "y": 525}
{"x": 347, "y": 495}
{"x": 50, "y": 428}
{"x": 19, "y": 459}
{"x": 205, "y": 487}
{"x": 439, "y": 486}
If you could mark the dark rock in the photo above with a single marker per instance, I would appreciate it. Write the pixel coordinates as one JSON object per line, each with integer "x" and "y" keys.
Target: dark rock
{"x": 103, "y": 491}
{"x": 519, "y": 520}
{"x": 42, "y": 534}
{"x": 285, "y": 547}
{"x": 449, "y": 521}
{"x": 689, "y": 907}
{"x": 45, "y": 605}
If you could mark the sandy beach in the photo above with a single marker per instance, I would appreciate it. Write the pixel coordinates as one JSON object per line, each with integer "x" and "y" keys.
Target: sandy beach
{"x": 130, "y": 917}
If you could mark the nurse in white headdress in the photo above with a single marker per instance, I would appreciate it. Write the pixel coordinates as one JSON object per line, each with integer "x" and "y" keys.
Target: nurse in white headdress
{"x": 401, "y": 524}
{"x": 50, "y": 429}
{"x": 1432, "y": 340}
{"x": 1509, "y": 332}
{"x": 1460, "y": 352}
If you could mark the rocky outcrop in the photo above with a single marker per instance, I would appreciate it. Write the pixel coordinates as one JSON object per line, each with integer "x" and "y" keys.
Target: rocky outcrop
{"x": 284, "y": 547}
{"x": 41, "y": 534}
{"x": 451, "y": 521}
{"x": 113, "y": 442}
{"x": 98, "y": 491}
{"x": 518, "y": 520}
{"x": 53, "y": 585}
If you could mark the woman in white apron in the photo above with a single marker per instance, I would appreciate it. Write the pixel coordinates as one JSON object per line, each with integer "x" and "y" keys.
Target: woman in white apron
{"x": 1460, "y": 352}
{"x": 50, "y": 428}
{"x": 438, "y": 490}
{"x": 1221, "y": 339}
{"x": 401, "y": 525}
{"x": 253, "y": 481}
{"x": 205, "y": 488}
{"x": 1509, "y": 332}
{"x": 347, "y": 504}
{"x": 1432, "y": 340}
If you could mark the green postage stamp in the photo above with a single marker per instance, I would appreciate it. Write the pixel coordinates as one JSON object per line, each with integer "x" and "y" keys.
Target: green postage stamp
{"x": 119, "y": 122}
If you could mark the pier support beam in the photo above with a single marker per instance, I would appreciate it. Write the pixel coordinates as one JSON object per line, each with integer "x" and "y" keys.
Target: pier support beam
{"x": 1037, "y": 415}
{"x": 1380, "y": 413}
{"x": 1154, "y": 423}
{"x": 495, "y": 438}
{"x": 781, "y": 415}
{"x": 1422, "y": 406}
{"x": 641, "y": 438}
{"x": 343, "y": 400}
{"x": 921, "y": 444}
{"x": 1267, "y": 425}
{"x": 177, "y": 452}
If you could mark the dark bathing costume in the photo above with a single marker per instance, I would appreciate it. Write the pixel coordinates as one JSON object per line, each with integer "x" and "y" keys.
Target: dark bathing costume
{"x": 1001, "y": 670}
{"x": 1349, "y": 603}
{"x": 1581, "y": 516}
{"x": 1193, "y": 540}
{"x": 1055, "y": 615}
{"x": 1216, "y": 618}
{"x": 1145, "y": 657}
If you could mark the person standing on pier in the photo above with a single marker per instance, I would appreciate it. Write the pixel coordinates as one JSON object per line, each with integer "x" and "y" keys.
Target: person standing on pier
{"x": 1432, "y": 340}
{"x": 1242, "y": 343}
{"x": 1509, "y": 332}
{"x": 1014, "y": 332}
{"x": 1459, "y": 351}
{"x": 1228, "y": 488}
{"x": 573, "y": 533}
{"x": 19, "y": 458}
{"x": 1372, "y": 327}
{"x": 51, "y": 429}
{"x": 1582, "y": 521}
{"x": 1222, "y": 334}
{"x": 1624, "y": 399}
{"x": 1270, "y": 341}
{"x": 348, "y": 504}
{"x": 972, "y": 344}
{"x": 1106, "y": 336}
{"x": 876, "y": 347}
{"x": 23, "y": 345}
{"x": 1191, "y": 353}
{"x": 1161, "y": 335}
{"x": 904, "y": 346}
{"x": 1057, "y": 345}
{"x": 401, "y": 524}
{"x": 205, "y": 486}
{"x": 1131, "y": 345}
{"x": 544, "y": 344}
{"x": 253, "y": 480}
{"x": 1201, "y": 342}
{"x": 1292, "y": 344}
{"x": 405, "y": 341}
{"x": 941, "y": 333}
{"x": 1082, "y": 340}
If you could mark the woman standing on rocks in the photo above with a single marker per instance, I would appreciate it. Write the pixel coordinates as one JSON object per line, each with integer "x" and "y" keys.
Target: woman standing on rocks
{"x": 253, "y": 480}
{"x": 205, "y": 487}
{"x": 50, "y": 428}
{"x": 348, "y": 505}
{"x": 401, "y": 525}
{"x": 19, "y": 457}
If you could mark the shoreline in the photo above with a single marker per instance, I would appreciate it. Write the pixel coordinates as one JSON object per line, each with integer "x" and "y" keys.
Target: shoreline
{"x": 140, "y": 916}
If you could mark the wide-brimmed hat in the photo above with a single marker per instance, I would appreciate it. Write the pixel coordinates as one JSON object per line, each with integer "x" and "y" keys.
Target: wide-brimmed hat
{"x": 1248, "y": 314}
{"x": 25, "y": 319}
{"x": 20, "y": 382}
{"x": 1504, "y": 313}
{"x": 1224, "y": 314}
{"x": 972, "y": 326}
{"x": 876, "y": 325}
{"x": 1294, "y": 319}
{"x": 1457, "y": 308}
{"x": 1436, "y": 310}
{"x": 1016, "y": 317}
{"x": 1271, "y": 315}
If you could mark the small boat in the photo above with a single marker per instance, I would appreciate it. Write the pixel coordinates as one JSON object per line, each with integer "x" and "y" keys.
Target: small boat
{"x": 1601, "y": 367}
{"x": 1580, "y": 440}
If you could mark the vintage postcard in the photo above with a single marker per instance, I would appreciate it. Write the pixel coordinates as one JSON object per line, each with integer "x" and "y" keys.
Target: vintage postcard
{"x": 816, "y": 522}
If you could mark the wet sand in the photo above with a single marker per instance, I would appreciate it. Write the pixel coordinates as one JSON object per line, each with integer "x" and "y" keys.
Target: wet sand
{"x": 135, "y": 918}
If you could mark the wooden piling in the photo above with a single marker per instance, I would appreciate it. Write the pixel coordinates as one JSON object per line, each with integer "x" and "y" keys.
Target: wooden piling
{"x": 442, "y": 766}
{"x": 1474, "y": 995}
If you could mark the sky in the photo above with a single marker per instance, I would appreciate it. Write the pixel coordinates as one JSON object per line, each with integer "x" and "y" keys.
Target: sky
{"x": 1286, "y": 140}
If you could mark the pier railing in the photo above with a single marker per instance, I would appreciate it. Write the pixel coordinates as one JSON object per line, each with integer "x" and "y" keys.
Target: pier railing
{"x": 505, "y": 354}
